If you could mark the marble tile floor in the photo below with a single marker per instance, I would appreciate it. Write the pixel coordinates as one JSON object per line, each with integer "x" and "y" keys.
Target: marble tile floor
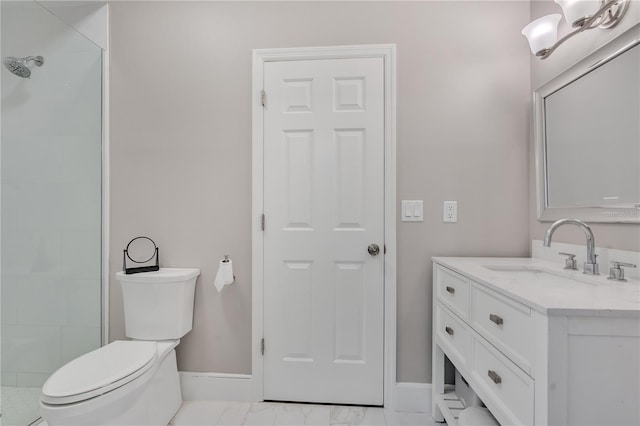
{"x": 220, "y": 413}
{"x": 19, "y": 405}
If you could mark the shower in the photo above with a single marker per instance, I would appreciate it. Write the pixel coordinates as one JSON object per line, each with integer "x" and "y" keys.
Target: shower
{"x": 52, "y": 143}
{"x": 22, "y": 66}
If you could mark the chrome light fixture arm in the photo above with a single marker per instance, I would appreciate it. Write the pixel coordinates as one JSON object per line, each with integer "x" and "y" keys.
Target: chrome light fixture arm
{"x": 608, "y": 16}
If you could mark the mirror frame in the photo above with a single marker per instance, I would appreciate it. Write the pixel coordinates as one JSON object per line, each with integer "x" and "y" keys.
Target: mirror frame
{"x": 606, "y": 214}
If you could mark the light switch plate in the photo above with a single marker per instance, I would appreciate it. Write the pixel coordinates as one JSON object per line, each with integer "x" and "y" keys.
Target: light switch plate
{"x": 412, "y": 211}
{"x": 450, "y": 211}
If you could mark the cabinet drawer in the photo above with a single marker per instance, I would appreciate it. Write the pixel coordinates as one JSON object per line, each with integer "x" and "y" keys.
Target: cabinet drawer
{"x": 453, "y": 290}
{"x": 505, "y": 323}
{"x": 510, "y": 391}
{"x": 453, "y": 334}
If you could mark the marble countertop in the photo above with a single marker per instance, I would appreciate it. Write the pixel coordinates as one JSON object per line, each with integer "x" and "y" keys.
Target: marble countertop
{"x": 548, "y": 288}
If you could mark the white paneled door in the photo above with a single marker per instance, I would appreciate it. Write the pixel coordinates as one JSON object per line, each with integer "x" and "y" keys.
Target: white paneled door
{"x": 324, "y": 210}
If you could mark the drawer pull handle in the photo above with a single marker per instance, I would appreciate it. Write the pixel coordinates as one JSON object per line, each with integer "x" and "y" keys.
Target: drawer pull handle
{"x": 494, "y": 376}
{"x": 449, "y": 331}
{"x": 451, "y": 289}
{"x": 495, "y": 318}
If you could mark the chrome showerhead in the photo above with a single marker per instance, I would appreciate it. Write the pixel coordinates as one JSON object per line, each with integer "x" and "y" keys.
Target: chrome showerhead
{"x": 22, "y": 66}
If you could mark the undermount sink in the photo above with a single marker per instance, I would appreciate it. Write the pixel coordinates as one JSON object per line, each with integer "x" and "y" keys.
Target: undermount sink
{"x": 531, "y": 275}
{"x": 514, "y": 268}
{"x": 517, "y": 269}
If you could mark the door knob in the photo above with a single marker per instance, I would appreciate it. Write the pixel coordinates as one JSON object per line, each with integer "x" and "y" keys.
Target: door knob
{"x": 373, "y": 249}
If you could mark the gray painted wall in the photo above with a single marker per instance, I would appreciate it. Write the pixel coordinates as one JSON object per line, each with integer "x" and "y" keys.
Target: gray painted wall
{"x": 181, "y": 145}
{"x": 619, "y": 236}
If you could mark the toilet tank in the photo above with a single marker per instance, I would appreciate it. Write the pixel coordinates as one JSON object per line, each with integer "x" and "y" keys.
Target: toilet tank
{"x": 158, "y": 305}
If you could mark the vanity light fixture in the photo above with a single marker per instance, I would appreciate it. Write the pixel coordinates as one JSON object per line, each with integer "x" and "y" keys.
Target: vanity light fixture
{"x": 580, "y": 14}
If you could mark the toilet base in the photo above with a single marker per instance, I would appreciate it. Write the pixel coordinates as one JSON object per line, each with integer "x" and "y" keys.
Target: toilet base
{"x": 153, "y": 402}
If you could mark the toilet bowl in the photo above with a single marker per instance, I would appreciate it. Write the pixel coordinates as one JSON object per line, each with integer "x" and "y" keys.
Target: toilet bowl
{"x": 132, "y": 382}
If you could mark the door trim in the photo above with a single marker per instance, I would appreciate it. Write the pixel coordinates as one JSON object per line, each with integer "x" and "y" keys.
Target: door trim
{"x": 260, "y": 56}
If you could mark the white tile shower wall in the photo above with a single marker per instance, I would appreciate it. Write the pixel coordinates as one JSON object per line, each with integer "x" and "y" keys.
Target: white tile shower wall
{"x": 77, "y": 341}
{"x": 9, "y": 379}
{"x": 31, "y": 380}
{"x": 51, "y": 196}
{"x": 31, "y": 348}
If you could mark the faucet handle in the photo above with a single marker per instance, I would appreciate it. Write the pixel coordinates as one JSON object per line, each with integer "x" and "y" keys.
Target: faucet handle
{"x": 571, "y": 255}
{"x": 570, "y": 262}
{"x": 616, "y": 273}
{"x": 617, "y": 264}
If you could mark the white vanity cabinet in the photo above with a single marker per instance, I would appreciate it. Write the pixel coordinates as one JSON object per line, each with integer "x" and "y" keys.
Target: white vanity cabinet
{"x": 530, "y": 363}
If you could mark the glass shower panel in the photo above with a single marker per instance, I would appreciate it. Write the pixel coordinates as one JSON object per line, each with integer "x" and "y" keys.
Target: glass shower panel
{"x": 51, "y": 183}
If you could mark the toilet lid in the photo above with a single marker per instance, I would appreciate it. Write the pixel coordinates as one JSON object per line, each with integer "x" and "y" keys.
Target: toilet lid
{"x": 99, "y": 371}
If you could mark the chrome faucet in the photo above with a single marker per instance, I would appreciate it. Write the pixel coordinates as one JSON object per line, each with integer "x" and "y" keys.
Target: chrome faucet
{"x": 591, "y": 265}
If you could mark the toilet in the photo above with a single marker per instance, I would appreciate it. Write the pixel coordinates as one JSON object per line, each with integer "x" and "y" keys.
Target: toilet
{"x": 129, "y": 382}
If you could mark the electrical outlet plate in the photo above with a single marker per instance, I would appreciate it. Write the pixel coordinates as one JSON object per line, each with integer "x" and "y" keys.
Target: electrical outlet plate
{"x": 450, "y": 212}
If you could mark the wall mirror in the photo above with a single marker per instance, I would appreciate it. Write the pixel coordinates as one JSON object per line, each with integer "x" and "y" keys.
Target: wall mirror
{"x": 587, "y": 135}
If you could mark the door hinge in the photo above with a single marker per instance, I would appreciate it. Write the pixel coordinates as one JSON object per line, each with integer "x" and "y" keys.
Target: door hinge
{"x": 385, "y": 249}
{"x": 262, "y": 222}
{"x": 264, "y": 98}
{"x": 262, "y": 346}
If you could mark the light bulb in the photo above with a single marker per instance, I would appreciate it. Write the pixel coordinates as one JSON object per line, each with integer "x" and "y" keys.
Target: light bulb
{"x": 576, "y": 12}
{"x": 542, "y": 33}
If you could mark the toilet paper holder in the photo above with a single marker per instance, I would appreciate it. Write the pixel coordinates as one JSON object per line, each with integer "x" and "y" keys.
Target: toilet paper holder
{"x": 226, "y": 260}
{"x": 139, "y": 269}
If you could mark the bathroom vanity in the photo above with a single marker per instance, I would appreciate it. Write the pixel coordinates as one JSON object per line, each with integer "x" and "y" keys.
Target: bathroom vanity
{"x": 538, "y": 344}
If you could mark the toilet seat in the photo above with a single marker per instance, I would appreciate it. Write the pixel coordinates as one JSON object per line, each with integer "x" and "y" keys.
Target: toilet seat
{"x": 99, "y": 372}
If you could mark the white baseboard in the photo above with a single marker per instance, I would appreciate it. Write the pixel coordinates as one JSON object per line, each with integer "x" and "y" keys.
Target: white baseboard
{"x": 413, "y": 397}
{"x": 216, "y": 386}
{"x": 409, "y": 397}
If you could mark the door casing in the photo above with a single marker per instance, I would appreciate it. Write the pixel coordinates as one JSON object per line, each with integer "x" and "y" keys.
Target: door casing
{"x": 388, "y": 53}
